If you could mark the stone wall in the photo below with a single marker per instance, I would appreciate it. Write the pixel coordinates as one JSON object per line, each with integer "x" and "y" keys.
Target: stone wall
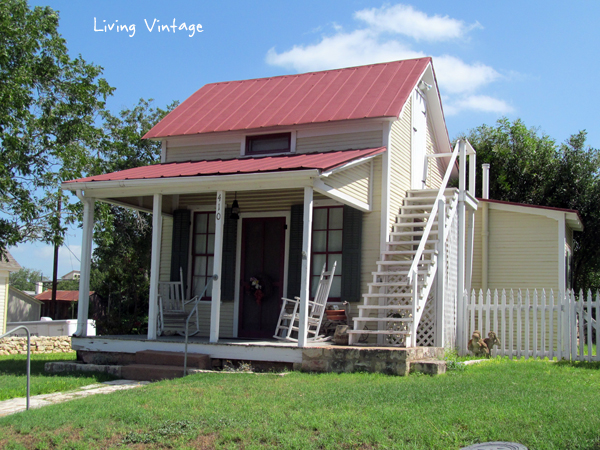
{"x": 41, "y": 344}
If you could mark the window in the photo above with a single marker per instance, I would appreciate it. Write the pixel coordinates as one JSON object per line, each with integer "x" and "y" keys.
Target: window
{"x": 203, "y": 250}
{"x": 268, "y": 143}
{"x": 327, "y": 248}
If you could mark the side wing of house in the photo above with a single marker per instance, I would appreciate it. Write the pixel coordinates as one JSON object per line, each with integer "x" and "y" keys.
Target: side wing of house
{"x": 3, "y": 300}
{"x": 22, "y": 307}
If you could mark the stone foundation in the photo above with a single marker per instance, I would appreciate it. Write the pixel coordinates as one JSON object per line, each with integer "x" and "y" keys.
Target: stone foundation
{"x": 386, "y": 360}
{"x": 39, "y": 344}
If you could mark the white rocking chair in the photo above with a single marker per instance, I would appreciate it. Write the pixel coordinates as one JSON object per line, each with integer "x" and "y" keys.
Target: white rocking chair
{"x": 289, "y": 317}
{"x": 172, "y": 313}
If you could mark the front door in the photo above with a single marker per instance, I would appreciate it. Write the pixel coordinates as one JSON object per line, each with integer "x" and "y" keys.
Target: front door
{"x": 261, "y": 282}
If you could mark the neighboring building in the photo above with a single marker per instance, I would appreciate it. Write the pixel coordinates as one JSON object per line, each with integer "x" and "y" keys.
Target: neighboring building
{"x": 22, "y": 307}
{"x": 66, "y": 304}
{"x": 72, "y": 275}
{"x": 342, "y": 165}
{"x": 7, "y": 265}
{"x": 528, "y": 246}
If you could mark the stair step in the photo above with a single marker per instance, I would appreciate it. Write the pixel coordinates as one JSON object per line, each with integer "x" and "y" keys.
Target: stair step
{"x": 379, "y": 308}
{"x": 408, "y": 252}
{"x": 413, "y": 192}
{"x": 412, "y": 233}
{"x": 429, "y": 242}
{"x": 414, "y": 215}
{"x": 151, "y": 372}
{"x": 399, "y": 272}
{"x": 381, "y": 319}
{"x": 403, "y": 295}
{"x": 156, "y": 358}
{"x": 377, "y": 332}
{"x": 411, "y": 207}
{"x": 402, "y": 263}
{"x": 413, "y": 224}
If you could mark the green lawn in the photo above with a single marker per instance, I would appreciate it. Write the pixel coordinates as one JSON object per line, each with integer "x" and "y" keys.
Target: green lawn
{"x": 13, "y": 382}
{"x": 542, "y": 405}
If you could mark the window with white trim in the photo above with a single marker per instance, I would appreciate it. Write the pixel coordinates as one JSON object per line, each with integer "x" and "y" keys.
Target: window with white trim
{"x": 327, "y": 247}
{"x": 203, "y": 252}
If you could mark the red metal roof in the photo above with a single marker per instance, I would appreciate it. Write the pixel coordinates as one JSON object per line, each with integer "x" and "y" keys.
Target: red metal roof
{"x": 61, "y": 296}
{"x": 321, "y": 161}
{"x": 377, "y": 90}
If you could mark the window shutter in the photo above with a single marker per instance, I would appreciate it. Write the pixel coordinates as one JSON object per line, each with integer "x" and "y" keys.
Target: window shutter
{"x": 351, "y": 254}
{"x": 228, "y": 262}
{"x": 180, "y": 244}
{"x": 295, "y": 251}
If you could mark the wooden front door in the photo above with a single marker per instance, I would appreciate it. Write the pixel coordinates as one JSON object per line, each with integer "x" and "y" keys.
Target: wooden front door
{"x": 263, "y": 252}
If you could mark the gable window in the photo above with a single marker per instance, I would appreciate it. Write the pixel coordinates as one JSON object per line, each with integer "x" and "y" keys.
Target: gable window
{"x": 327, "y": 248}
{"x": 268, "y": 143}
{"x": 203, "y": 252}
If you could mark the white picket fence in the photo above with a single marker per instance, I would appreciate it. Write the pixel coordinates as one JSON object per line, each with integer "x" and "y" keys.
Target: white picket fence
{"x": 537, "y": 324}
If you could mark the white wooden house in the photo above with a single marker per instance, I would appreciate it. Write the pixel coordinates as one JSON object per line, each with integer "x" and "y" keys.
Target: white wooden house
{"x": 347, "y": 165}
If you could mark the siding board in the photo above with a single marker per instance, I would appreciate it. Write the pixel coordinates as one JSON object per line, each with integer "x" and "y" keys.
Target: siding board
{"x": 341, "y": 141}
{"x": 204, "y": 152}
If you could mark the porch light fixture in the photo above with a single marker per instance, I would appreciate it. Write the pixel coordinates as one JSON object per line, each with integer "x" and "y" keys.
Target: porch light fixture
{"x": 235, "y": 209}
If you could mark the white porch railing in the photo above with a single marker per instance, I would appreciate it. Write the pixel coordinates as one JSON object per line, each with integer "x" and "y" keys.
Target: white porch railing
{"x": 538, "y": 323}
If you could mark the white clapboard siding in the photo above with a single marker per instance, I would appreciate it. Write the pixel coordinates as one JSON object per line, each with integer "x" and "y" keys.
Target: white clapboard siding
{"x": 203, "y": 152}
{"x": 538, "y": 323}
{"x": 342, "y": 141}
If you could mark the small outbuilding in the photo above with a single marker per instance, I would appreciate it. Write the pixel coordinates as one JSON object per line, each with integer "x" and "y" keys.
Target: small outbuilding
{"x": 7, "y": 264}
{"x": 22, "y": 307}
{"x": 519, "y": 246}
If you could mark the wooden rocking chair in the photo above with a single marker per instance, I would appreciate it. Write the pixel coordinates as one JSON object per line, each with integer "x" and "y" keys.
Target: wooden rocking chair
{"x": 175, "y": 311}
{"x": 289, "y": 317}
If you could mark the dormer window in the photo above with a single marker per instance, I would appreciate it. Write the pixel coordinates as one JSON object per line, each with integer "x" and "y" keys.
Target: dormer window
{"x": 268, "y": 143}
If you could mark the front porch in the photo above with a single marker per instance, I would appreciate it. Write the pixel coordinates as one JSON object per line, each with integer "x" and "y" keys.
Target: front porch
{"x": 270, "y": 354}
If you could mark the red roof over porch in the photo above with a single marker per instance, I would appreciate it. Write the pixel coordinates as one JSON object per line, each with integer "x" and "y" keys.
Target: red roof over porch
{"x": 320, "y": 161}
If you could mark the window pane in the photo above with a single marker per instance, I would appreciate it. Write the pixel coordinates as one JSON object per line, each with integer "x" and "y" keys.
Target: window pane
{"x": 320, "y": 219}
{"x": 198, "y": 285}
{"x": 266, "y": 144}
{"x": 336, "y": 218}
{"x": 319, "y": 241}
{"x": 317, "y": 265}
{"x": 336, "y": 287}
{"x": 200, "y": 223}
{"x": 335, "y": 241}
{"x": 200, "y": 247}
{"x": 211, "y": 244}
{"x": 200, "y": 266}
{"x": 211, "y": 223}
{"x": 210, "y": 268}
{"x": 335, "y": 258}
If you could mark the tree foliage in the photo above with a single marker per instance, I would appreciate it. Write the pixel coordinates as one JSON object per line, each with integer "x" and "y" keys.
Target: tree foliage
{"x": 48, "y": 105}
{"x": 530, "y": 167}
{"x": 25, "y": 279}
{"x": 123, "y": 237}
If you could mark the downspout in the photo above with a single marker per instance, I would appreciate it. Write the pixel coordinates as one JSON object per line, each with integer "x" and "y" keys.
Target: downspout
{"x": 485, "y": 232}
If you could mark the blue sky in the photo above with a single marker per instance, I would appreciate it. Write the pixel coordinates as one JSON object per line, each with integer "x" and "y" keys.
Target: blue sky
{"x": 533, "y": 60}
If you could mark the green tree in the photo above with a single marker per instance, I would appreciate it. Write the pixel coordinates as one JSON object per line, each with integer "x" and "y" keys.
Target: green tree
{"x": 529, "y": 167}
{"x": 25, "y": 279}
{"x": 123, "y": 237}
{"x": 48, "y": 105}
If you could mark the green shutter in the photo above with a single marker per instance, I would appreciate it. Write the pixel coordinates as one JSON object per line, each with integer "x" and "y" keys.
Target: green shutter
{"x": 295, "y": 251}
{"x": 228, "y": 262}
{"x": 180, "y": 244}
{"x": 351, "y": 254}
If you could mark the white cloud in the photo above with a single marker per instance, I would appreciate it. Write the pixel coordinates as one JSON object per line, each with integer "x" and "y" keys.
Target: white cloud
{"x": 461, "y": 80}
{"x": 341, "y": 50}
{"x": 481, "y": 103}
{"x": 405, "y": 20}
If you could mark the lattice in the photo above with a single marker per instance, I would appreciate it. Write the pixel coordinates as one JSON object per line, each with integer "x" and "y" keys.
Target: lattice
{"x": 450, "y": 285}
{"x": 426, "y": 331}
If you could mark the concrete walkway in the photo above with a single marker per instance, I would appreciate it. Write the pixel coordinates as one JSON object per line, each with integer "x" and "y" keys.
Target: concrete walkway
{"x": 16, "y": 405}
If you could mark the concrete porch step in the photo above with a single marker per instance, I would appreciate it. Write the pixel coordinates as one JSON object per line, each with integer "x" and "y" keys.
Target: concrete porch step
{"x": 156, "y": 358}
{"x": 151, "y": 372}
{"x": 428, "y": 366}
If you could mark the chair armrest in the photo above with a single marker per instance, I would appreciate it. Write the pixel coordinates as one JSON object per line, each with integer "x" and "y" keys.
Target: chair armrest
{"x": 191, "y": 300}
{"x": 296, "y": 300}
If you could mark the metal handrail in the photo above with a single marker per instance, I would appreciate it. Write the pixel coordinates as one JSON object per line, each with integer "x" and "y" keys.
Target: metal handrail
{"x": 414, "y": 266}
{"x": 187, "y": 321}
{"x": 28, "y": 356}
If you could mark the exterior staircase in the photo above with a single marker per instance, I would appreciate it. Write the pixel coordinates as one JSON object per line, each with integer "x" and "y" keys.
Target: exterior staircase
{"x": 393, "y": 306}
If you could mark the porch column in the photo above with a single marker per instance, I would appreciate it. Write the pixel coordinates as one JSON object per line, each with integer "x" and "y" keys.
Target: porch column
{"x": 155, "y": 265}
{"x": 215, "y": 304}
{"x": 305, "y": 279}
{"x": 460, "y": 301}
{"x": 83, "y": 305}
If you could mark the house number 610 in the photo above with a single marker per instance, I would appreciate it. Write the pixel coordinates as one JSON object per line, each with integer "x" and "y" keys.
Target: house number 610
{"x": 219, "y": 207}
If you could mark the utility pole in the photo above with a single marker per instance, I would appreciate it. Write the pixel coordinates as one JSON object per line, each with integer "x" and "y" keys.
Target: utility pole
{"x": 55, "y": 268}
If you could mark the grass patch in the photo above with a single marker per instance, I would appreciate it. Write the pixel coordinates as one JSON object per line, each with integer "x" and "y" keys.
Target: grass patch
{"x": 13, "y": 379}
{"x": 540, "y": 404}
